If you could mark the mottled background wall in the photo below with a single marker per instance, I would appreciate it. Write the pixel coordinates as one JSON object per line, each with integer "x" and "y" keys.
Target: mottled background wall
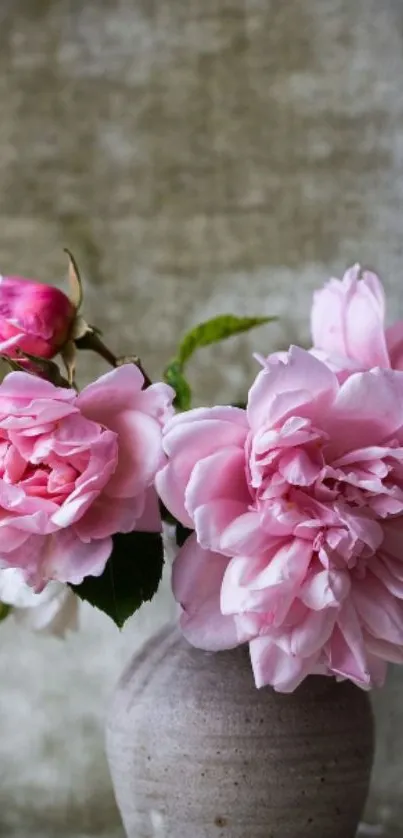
{"x": 197, "y": 156}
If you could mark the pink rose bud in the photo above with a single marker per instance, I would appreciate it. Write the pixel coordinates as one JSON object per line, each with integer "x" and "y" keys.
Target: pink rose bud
{"x": 348, "y": 325}
{"x": 34, "y": 318}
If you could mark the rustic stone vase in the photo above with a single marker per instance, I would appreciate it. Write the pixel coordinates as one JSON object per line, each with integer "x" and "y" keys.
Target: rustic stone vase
{"x": 196, "y": 751}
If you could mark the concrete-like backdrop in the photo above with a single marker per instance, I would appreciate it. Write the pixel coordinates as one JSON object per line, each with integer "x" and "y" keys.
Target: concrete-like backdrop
{"x": 197, "y": 156}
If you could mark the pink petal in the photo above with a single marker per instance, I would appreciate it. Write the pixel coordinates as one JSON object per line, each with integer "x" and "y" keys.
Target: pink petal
{"x": 345, "y": 662}
{"x": 393, "y": 565}
{"x": 207, "y": 629}
{"x": 394, "y": 341}
{"x": 287, "y": 567}
{"x": 156, "y": 401}
{"x": 347, "y": 319}
{"x": 267, "y": 584}
{"x": 384, "y": 572}
{"x": 339, "y": 364}
{"x": 272, "y": 666}
{"x": 326, "y": 589}
{"x": 11, "y": 496}
{"x": 312, "y": 633}
{"x": 196, "y": 581}
{"x": 223, "y": 413}
{"x": 382, "y": 649}
{"x": 244, "y": 534}
{"x": 73, "y": 509}
{"x": 188, "y": 439}
{"x": 361, "y": 526}
{"x": 327, "y": 316}
{"x": 28, "y": 556}
{"x": 347, "y": 650}
{"x": 105, "y": 517}
{"x": 73, "y": 435}
{"x": 23, "y": 385}
{"x": 150, "y": 518}
{"x": 34, "y": 522}
{"x": 380, "y": 612}
{"x": 303, "y": 386}
{"x": 96, "y": 478}
{"x": 12, "y": 342}
{"x": 10, "y": 539}
{"x": 377, "y": 670}
{"x": 204, "y": 435}
{"x": 218, "y": 476}
{"x": 140, "y": 454}
{"x": 111, "y": 393}
{"x": 300, "y": 467}
{"x": 212, "y": 519}
{"x": 364, "y": 324}
{"x": 68, "y": 559}
{"x": 369, "y": 406}
{"x": 170, "y": 483}
{"x": 238, "y": 594}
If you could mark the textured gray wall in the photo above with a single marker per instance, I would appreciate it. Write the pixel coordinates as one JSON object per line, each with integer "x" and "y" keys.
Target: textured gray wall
{"x": 197, "y": 156}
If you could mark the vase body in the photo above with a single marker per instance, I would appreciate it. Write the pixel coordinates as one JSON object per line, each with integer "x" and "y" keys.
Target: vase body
{"x": 196, "y": 751}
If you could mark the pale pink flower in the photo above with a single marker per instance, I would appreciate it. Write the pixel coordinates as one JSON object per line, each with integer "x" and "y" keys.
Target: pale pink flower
{"x": 53, "y": 611}
{"x": 348, "y": 325}
{"x": 34, "y": 318}
{"x": 75, "y": 469}
{"x": 297, "y": 507}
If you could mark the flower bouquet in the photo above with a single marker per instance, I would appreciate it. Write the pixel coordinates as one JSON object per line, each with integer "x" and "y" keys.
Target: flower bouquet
{"x": 287, "y": 513}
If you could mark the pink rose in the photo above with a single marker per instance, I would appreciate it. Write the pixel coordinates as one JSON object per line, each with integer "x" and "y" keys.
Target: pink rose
{"x": 348, "y": 329}
{"x": 297, "y": 507}
{"x": 34, "y": 318}
{"x": 75, "y": 469}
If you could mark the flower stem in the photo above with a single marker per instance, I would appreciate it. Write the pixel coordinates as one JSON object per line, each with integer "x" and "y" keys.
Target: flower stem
{"x": 91, "y": 340}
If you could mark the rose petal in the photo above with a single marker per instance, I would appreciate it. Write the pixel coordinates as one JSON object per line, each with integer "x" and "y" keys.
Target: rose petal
{"x": 272, "y": 666}
{"x": 196, "y": 579}
{"x": 301, "y": 383}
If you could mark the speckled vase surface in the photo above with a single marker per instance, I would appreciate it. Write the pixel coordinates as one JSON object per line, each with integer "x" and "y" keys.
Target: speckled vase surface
{"x": 196, "y": 751}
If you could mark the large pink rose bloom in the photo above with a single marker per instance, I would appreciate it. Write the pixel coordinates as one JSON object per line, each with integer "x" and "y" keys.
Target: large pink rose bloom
{"x": 297, "y": 507}
{"x": 75, "y": 469}
{"x": 348, "y": 325}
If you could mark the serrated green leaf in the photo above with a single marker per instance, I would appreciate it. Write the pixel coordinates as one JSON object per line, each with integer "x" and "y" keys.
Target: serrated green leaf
{"x": 174, "y": 376}
{"x": 4, "y": 611}
{"x": 212, "y": 331}
{"x": 131, "y": 576}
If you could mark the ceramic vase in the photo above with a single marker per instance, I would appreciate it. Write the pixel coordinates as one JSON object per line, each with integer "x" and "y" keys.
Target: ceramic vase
{"x": 196, "y": 751}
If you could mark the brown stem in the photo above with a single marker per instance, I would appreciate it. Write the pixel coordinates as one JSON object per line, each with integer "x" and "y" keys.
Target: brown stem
{"x": 134, "y": 359}
{"x": 91, "y": 340}
{"x": 147, "y": 380}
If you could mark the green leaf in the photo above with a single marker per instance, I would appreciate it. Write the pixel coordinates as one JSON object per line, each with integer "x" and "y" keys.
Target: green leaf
{"x": 4, "y": 611}
{"x": 131, "y": 576}
{"x": 174, "y": 376}
{"x": 182, "y": 534}
{"x": 166, "y": 515}
{"x": 210, "y": 331}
